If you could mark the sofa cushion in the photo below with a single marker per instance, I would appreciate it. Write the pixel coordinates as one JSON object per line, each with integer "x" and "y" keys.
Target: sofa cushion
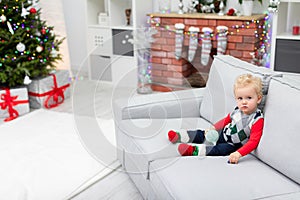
{"x": 145, "y": 140}
{"x": 291, "y": 196}
{"x": 218, "y": 98}
{"x": 176, "y": 104}
{"x": 279, "y": 145}
{"x": 214, "y": 178}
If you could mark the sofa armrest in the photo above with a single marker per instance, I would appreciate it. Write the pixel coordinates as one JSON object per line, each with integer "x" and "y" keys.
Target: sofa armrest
{"x": 178, "y": 104}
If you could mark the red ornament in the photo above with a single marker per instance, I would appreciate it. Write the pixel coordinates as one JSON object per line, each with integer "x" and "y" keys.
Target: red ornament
{"x": 43, "y": 31}
{"x": 32, "y": 10}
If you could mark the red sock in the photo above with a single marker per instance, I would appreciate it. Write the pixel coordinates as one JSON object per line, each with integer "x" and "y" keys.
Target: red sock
{"x": 173, "y": 136}
{"x": 185, "y": 149}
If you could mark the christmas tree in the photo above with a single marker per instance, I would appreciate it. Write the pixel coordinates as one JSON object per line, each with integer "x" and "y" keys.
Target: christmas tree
{"x": 28, "y": 47}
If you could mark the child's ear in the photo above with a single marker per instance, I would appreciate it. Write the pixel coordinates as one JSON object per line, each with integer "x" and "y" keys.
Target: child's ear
{"x": 259, "y": 99}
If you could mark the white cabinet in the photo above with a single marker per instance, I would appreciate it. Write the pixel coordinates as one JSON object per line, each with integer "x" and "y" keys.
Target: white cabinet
{"x": 99, "y": 41}
{"x": 285, "y": 47}
{"x": 109, "y": 34}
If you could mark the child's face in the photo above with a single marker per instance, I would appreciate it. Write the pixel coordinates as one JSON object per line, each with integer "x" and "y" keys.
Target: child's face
{"x": 247, "y": 99}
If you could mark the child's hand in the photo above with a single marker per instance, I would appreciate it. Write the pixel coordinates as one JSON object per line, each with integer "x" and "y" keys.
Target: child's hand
{"x": 234, "y": 157}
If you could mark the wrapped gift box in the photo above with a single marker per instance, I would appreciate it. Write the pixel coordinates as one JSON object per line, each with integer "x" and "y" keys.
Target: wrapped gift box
{"x": 13, "y": 102}
{"x": 50, "y": 91}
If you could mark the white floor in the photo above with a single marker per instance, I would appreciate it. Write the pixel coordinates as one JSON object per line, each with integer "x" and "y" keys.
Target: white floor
{"x": 115, "y": 186}
{"x": 93, "y": 98}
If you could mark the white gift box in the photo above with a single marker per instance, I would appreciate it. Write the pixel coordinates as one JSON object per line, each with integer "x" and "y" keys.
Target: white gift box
{"x": 13, "y": 102}
{"x": 50, "y": 91}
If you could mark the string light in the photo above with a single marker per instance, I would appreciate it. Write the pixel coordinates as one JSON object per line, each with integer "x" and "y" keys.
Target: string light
{"x": 237, "y": 28}
{"x": 263, "y": 37}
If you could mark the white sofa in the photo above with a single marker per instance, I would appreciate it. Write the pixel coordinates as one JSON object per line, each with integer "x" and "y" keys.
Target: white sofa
{"x": 272, "y": 171}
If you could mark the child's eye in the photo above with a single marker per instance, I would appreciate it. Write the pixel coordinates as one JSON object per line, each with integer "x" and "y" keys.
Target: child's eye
{"x": 249, "y": 98}
{"x": 240, "y": 98}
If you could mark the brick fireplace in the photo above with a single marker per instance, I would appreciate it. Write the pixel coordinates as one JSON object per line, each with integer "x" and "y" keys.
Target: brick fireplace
{"x": 245, "y": 36}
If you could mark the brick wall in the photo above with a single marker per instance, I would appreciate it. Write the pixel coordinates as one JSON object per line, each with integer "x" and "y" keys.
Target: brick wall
{"x": 245, "y": 35}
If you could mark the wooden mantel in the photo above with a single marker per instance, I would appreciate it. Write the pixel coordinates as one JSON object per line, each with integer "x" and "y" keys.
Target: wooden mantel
{"x": 208, "y": 16}
{"x": 245, "y": 36}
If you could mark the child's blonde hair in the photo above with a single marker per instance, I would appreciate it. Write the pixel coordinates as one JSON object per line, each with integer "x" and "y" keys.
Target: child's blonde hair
{"x": 248, "y": 79}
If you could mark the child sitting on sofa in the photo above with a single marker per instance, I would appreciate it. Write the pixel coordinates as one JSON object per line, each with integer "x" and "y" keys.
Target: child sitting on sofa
{"x": 239, "y": 132}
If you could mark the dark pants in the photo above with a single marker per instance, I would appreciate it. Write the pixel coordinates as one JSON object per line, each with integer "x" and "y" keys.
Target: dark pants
{"x": 222, "y": 148}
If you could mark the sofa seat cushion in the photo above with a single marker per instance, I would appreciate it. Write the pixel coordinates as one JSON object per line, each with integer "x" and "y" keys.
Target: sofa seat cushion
{"x": 214, "y": 178}
{"x": 291, "y": 196}
{"x": 145, "y": 140}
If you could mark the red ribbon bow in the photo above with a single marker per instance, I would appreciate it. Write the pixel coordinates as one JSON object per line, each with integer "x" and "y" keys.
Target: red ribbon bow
{"x": 55, "y": 96}
{"x": 9, "y": 102}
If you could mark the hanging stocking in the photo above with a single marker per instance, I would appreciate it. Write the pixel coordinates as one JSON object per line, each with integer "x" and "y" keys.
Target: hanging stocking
{"x": 222, "y": 39}
{"x": 206, "y": 45}
{"x": 193, "y": 42}
{"x": 179, "y": 37}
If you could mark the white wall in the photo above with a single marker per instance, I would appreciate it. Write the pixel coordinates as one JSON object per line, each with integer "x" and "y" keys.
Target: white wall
{"x": 52, "y": 12}
{"x": 69, "y": 19}
{"x": 75, "y": 18}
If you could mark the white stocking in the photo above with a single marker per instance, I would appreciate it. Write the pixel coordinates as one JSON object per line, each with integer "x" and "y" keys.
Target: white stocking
{"x": 206, "y": 45}
{"x": 193, "y": 42}
{"x": 222, "y": 39}
{"x": 179, "y": 38}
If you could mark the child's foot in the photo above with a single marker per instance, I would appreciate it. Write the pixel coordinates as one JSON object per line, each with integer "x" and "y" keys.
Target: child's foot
{"x": 192, "y": 150}
{"x": 179, "y": 136}
{"x": 174, "y": 136}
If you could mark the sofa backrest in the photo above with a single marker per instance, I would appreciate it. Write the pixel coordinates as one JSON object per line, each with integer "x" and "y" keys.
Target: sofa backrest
{"x": 218, "y": 98}
{"x": 280, "y": 143}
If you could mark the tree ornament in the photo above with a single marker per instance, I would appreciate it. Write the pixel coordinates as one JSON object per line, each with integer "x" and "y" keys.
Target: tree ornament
{"x": 24, "y": 12}
{"x": 21, "y": 47}
{"x": 27, "y": 80}
{"x": 52, "y": 33}
{"x": 37, "y": 33}
{"x": 39, "y": 49}
{"x": 43, "y": 31}
{"x": 11, "y": 30}
{"x": 33, "y": 3}
{"x": 3, "y": 18}
{"x": 53, "y": 53}
{"x": 32, "y": 10}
